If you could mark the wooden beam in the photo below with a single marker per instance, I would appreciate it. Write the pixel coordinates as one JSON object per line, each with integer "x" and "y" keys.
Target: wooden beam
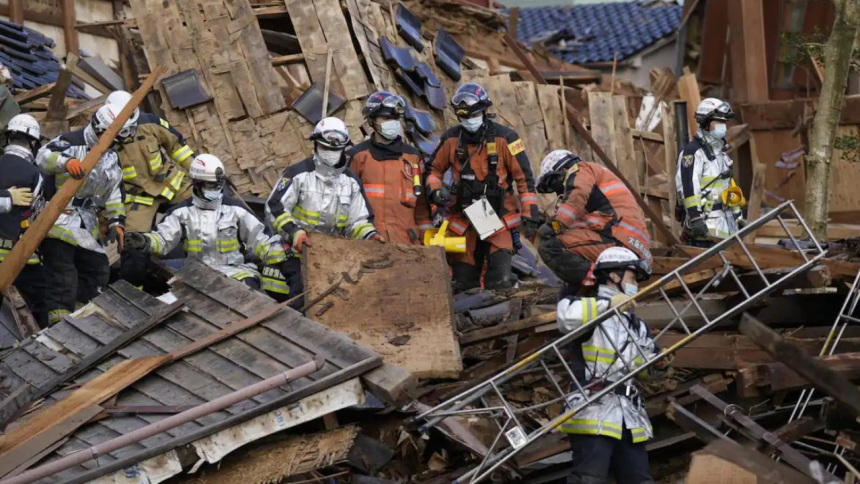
{"x": 657, "y": 137}
{"x": 670, "y": 160}
{"x": 14, "y": 262}
{"x": 16, "y": 11}
{"x": 507, "y": 329}
{"x": 86, "y": 106}
{"x": 759, "y": 464}
{"x": 287, "y": 59}
{"x": 762, "y": 379}
{"x": 688, "y": 88}
{"x": 657, "y": 219}
{"x": 820, "y": 376}
{"x": 774, "y": 258}
{"x": 748, "y": 51}
{"x": 34, "y": 94}
{"x": 773, "y": 115}
{"x": 70, "y": 34}
{"x": 391, "y": 384}
{"x": 92, "y": 81}
{"x": 834, "y": 231}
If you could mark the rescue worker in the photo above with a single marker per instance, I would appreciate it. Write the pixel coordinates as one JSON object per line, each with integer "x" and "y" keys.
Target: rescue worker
{"x": 155, "y": 161}
{"x": 704, "y": 173}
{"x": 212, "y": 228}
{"x": 596, "y": 211}
{"x": 76, "y": 266}
{"x": 487, "y": 160}
{"x": 21, "y": 186}
{"x": 319, "y": 194}
{"x": 608, "y": 435}
{"x": 391, "y": 172}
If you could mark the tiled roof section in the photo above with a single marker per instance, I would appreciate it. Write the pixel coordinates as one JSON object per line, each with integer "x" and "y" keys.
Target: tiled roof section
{"x": 595, "y": 32}
{"x": 28, "y": 56}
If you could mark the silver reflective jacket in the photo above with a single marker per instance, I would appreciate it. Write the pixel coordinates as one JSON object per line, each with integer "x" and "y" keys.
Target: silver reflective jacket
{"x": 215, "y": 233}
{"x": 333, "y": 206}
{"x": 101, "y": 191}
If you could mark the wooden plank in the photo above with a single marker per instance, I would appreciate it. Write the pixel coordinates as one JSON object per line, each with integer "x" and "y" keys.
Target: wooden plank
{"x": 756, "y": 194}
{"x": 817, "y": 374}
{"x": 34, "y": 94}
{"x": 709, "y": 469}
{"x": 390, "y": 383}
{"x": 600, "y": 112}
{"x": 834, "y": 231}
{"x": 754, "y": 380}
{"x": 41, "y": 429}
{"x": 347, "y": 66}
{"x": 774, "y": 258}
{"x": 507, "y": 329}
{"x": 762, "y": 466}
{"x": 625, "y": 157}
{"x": 656, "y": 137}
{"x": 670, "y": 159}
{"x": 69, "y": 21}
{"x": 748, "y": 51}
{"x": 105, "y": 351}
{"x": 89, "y": 79}
{"x": 57, "y": 104}
{"x": 16, "y": 11}
{"x": 688, "y": 88}
{"x": 396, "y": 297}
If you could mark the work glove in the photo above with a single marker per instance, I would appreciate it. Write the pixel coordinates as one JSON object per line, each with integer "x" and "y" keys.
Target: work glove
{"x": 665, "y": 362}
{"x": 440, "y": 197}
{"x": 21, "y": 197}
{"x": 698, "y": 227}
{"x": 75, "y": 169}
{"x": 546, "y": 231}
{"x": 116, "y": 233}
{"x": 136, "y": 242}
{"x": 531, "y": 226}
{"x": 377, "y": 237}
{"x": 622, "y": 301}
{"x": 300, "y": 240}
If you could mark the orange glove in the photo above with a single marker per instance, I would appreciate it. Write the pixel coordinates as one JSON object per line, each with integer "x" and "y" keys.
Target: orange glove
{"x": 378, "y": 238}
{"x": 75, "y": 169}
{"x": 300, "y": 240}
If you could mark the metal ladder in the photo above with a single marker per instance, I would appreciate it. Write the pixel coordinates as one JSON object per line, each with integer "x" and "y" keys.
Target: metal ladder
{"x": 487, "y": 399}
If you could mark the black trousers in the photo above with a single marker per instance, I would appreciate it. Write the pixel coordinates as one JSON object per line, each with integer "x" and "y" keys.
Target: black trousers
{"x": 72, "y": 274}
{"x": 291, "y": 269}
{"x": 31, "y": 284}
{"x": 595, "y": 457}
{"x": 568, "y": 266}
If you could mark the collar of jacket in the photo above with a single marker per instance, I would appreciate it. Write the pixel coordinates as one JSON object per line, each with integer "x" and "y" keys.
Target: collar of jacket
{"x": 20, "y": 152}
{"x": 204, "y": 205}
{"x": 717, "y": 145}
{"x": 391, "y": 151}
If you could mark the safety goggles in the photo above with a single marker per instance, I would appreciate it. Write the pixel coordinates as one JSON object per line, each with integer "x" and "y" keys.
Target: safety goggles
{"x": 394, "y": 102}
{"x": 333, "y": 139}
{"x": 723, "y": 111}
{"x": 640, "y": 267}
{"x": 465, "y": 99}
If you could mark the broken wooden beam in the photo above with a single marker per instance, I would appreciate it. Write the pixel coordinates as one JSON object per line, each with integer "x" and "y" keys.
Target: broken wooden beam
{"x": 25, "y": 97}
{"x": 775, "y": 258}
{"x": 761, "y": 379}
{"x": 287, "y": 59}
{"x": 517, "y": 327}
{"x": 820, "y": 376}
{"x": 391, "y": 384}
{"x": 767, "y": 469}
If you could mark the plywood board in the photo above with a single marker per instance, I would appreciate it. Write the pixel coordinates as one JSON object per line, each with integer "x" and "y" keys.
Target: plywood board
{"x": 710, "y": 469}
{"x": 625, "y": 158}
{"x": 403, "y": 311}
{"x": 600, "y": 111}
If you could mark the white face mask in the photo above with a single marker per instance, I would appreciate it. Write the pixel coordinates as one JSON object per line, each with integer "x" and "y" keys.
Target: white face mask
{"x": 330, "y": 157}
{"x": 211, "y": 195}
{"x": 390, "y": 129}
{"x": 472, "y": 124}
{"x": 719, "y": 131}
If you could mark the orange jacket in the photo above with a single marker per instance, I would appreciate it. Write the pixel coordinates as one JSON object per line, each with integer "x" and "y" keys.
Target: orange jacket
{"x": 596, "y": 200}
{"x": 513, "y": 169}
{"x": 386, "y": 171}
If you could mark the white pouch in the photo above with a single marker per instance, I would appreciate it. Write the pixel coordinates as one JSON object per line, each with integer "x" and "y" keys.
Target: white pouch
{"x": 484, "y": 218}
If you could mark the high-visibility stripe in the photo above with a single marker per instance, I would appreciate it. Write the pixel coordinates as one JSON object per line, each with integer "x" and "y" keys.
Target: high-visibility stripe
{"x": 129, "y": 173}
{"x": 457, "y": 227}
{"x": 591, "y": 427}
{"x": 528, "y": 198}
{"x": 361, "y": 230}
{"x": 167, "y": 193}
{"x": 275, "y": 285}
{"x": 426, "y": 226}
{"x": 512, "y": 219}
{"x": 565, "y": 215}
{"x": 53, "y": 160}
{"x": 434, "y": 181}
{"x": 155, "y": 244}
{"x": 176, "y": 180}
{"x": 182, "y": 154}
{"x": 306, "y": 219}
{"x": 143, "y": 200}
{"x": 57, "y": 315}
{"x": 57, "y": 232}
{"x": 282, "y": 220}
{"x": 34, "y": 259}
{"x": 241, "y": 275}
{"x": 589, "y": 308}
{"x": 230, "y": 245}
{"x": 155, "y": 163}
{"x": 374, "y": 191}
{"x": 115, "y": 206}
{"x": 642, "y": 235}
{"x": 274, "y": 257}
{"x": 193, "y": 245}
{"x": 692, "y": 201}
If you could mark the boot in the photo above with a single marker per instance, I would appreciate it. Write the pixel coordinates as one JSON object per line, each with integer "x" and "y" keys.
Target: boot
{"x": 499, "y": 274}
{"x": 466, "y": 276}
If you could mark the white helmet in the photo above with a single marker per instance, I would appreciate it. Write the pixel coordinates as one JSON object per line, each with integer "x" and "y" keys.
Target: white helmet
{"x": 119, "y": 99}
{"x": 621, "y": 258}
{"x": 207, "y": 177}
{"x": 26, "y": 125}
{"x": 713, "y": 109}
{"x": 555, "y": 162}
{"x": 330, "y": 139}
{"x": 105, "y": 115}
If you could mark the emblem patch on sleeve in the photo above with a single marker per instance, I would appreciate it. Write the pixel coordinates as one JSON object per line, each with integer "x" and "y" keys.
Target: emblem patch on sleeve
{"x": 516, "y": 147}
{"x": 688, "y": 161}
{"x": 164, "y": 123}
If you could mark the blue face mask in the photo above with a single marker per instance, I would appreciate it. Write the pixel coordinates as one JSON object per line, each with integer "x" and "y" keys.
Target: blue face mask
{"x": 719, "y": 131}
{"x": 630, "y": 289}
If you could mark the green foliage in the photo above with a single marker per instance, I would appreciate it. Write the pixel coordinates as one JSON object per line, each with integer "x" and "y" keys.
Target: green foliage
{"x": 798, "y": 49}
{"x": 850, "y": 147}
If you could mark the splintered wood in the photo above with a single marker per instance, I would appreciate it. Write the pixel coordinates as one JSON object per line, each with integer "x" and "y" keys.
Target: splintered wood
{"x": 272, "y": 463}
{"x": 246, "y": 124}
{"x": 392, "y": 299}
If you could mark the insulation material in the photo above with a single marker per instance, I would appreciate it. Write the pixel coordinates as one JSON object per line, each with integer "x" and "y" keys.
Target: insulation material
{"x": 272, "y": 463}
{"x": 380, "y": 309}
